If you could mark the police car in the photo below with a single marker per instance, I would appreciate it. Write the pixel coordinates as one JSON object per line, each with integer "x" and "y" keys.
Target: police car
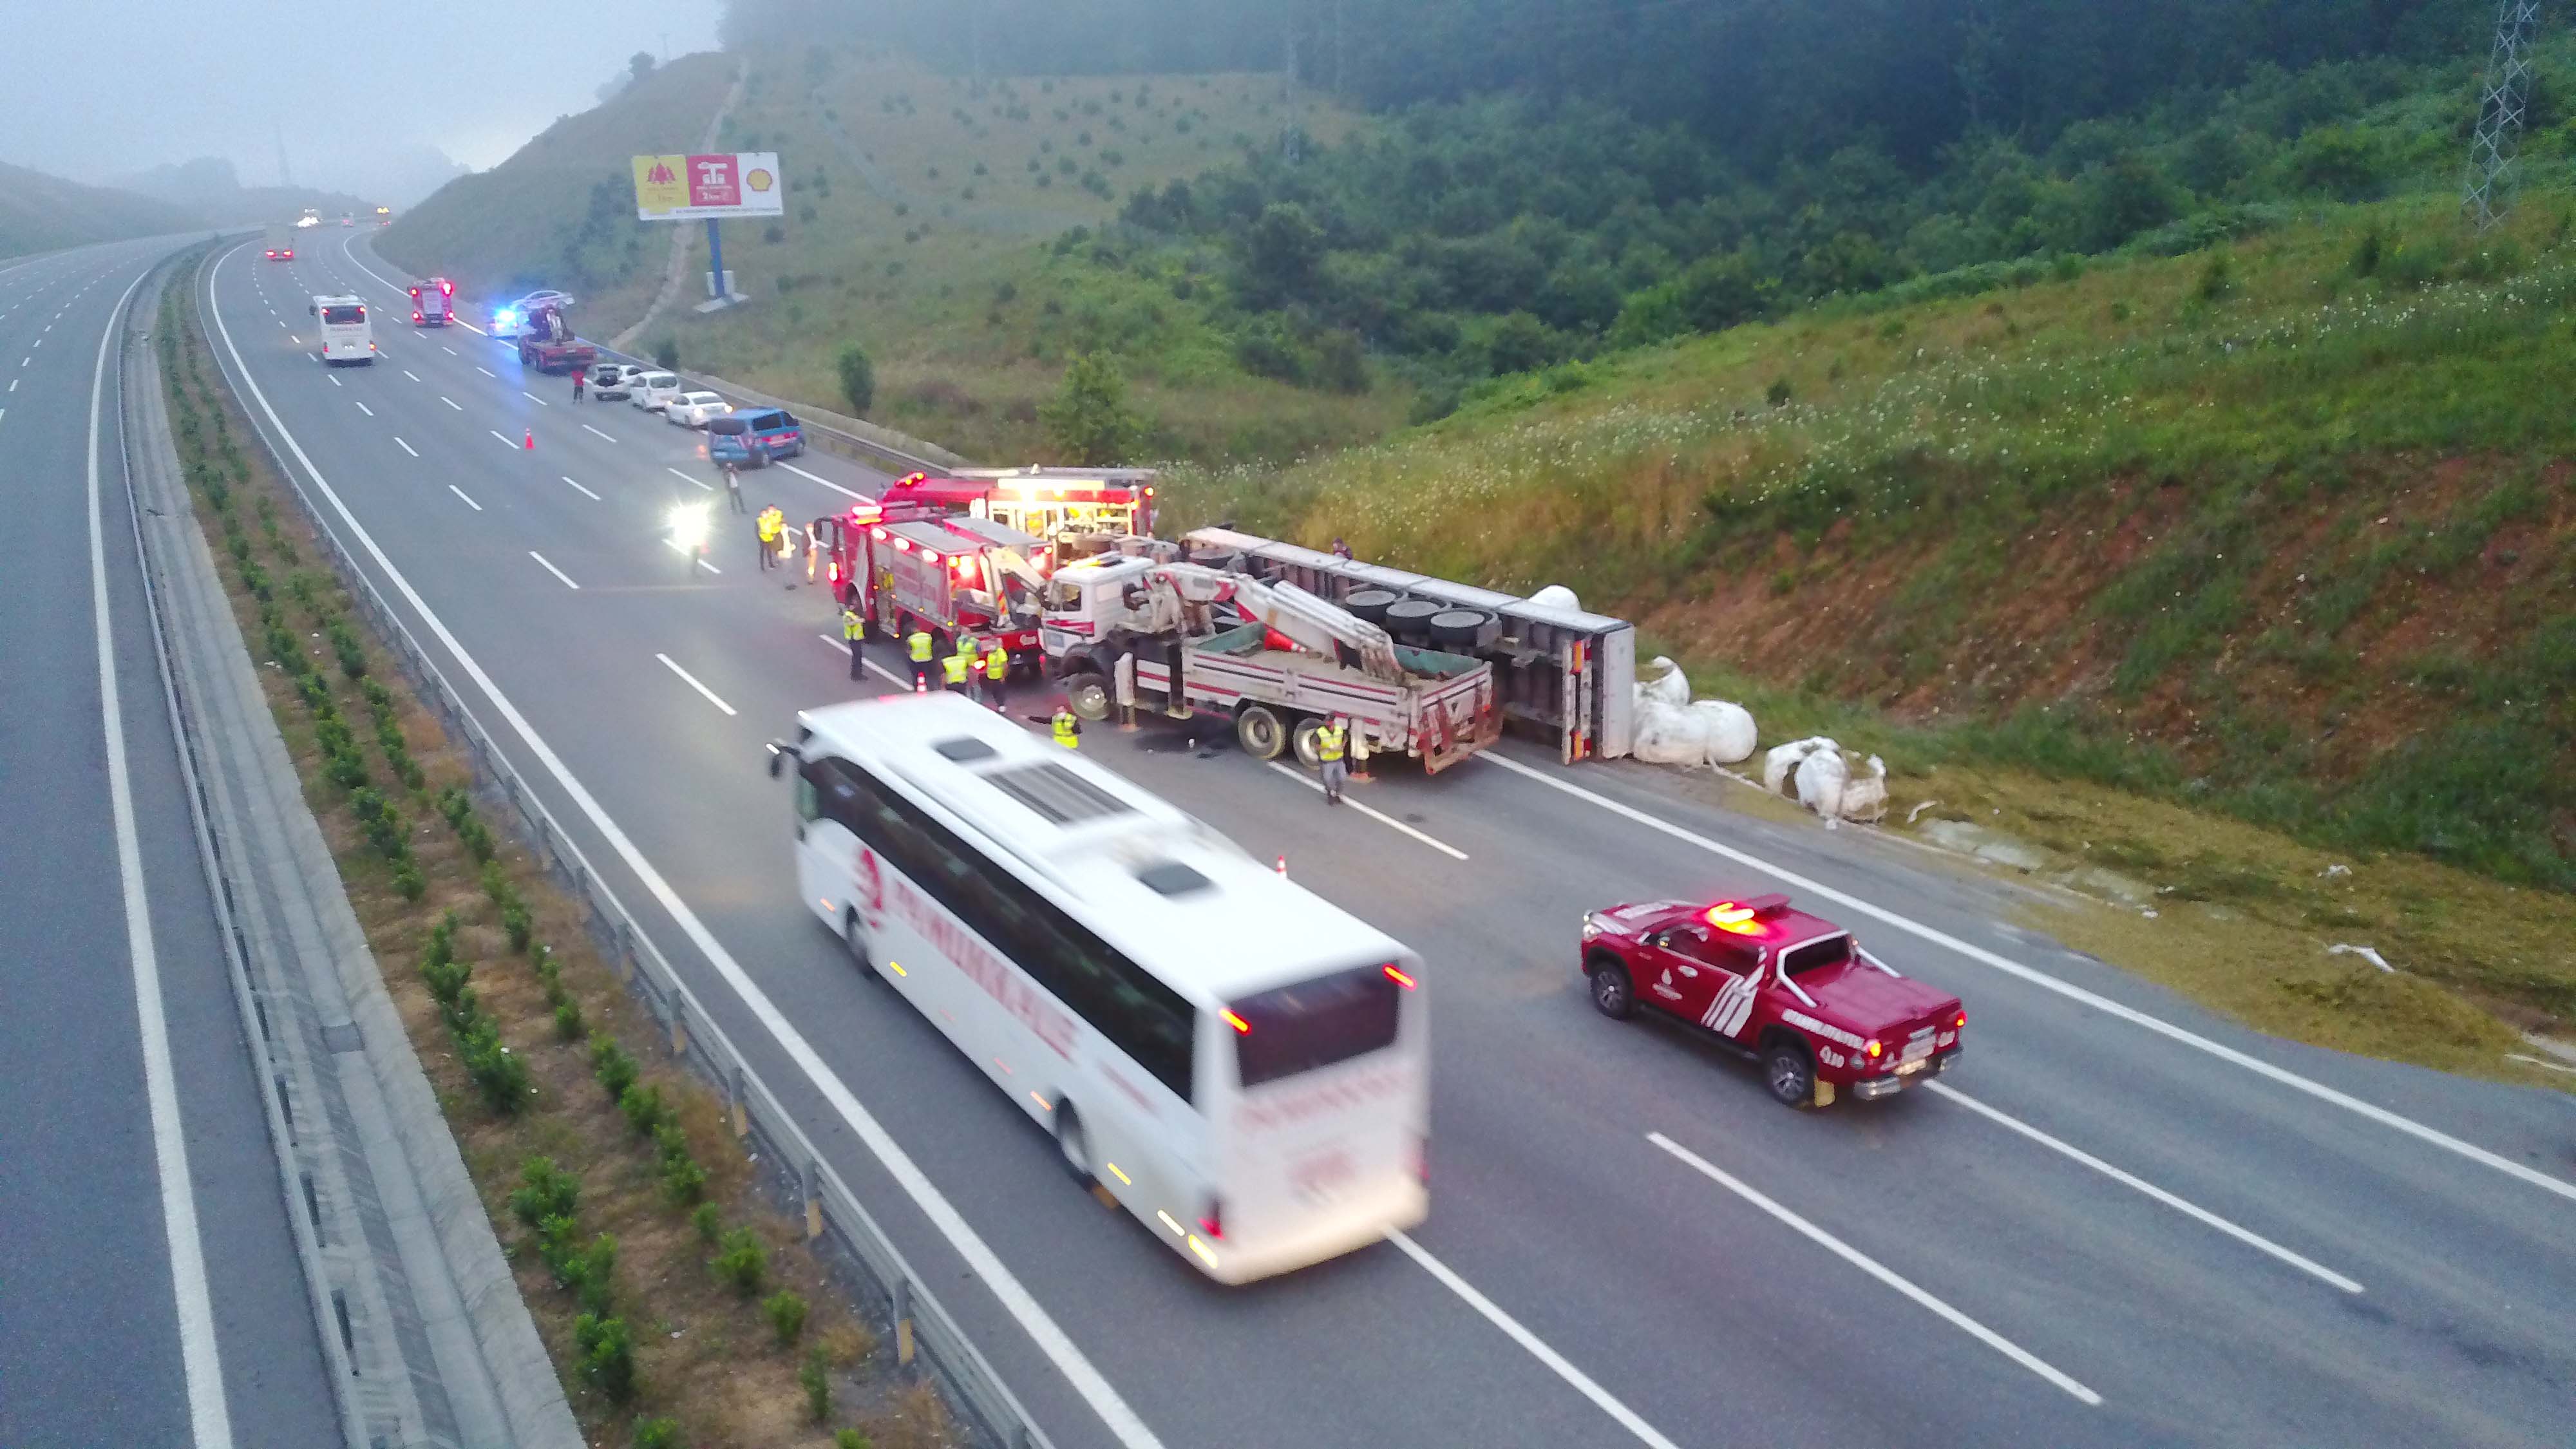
{"x": 1791, "y": 990}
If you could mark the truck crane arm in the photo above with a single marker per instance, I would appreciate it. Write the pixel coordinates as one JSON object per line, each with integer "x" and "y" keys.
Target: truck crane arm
{"x": 1309, "y": 622}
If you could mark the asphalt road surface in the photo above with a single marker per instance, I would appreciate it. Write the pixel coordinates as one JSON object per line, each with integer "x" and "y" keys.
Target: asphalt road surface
{"x": 2122, "y": 1221}
{"x": 149, "y": 1288}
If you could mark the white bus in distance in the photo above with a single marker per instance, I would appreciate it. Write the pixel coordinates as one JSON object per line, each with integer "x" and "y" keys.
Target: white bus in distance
{"x": 346, "y": 335}
{"x": 1240, "y": 1064}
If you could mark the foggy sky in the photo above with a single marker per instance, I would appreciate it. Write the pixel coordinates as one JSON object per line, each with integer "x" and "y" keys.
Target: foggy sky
{"x": 94, "y": 89}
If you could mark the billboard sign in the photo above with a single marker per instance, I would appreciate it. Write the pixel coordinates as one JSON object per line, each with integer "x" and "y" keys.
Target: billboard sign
{"x": 721, "y": 183}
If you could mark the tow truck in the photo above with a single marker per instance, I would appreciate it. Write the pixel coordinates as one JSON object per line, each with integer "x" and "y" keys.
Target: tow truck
{"x": 1073, "y": 510}
{"x": 906, "y": 564}
{"x": 1183, "y": 638}
{"x": 547, "y": 343}
{"x": 1793, "y": 991}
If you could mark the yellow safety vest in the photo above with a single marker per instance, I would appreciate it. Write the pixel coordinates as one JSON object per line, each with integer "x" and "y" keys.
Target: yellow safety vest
{"x": 852, "y": 626}
{"x": 1067, "y": 730}
{"x": 769, "y": 526}
{"x": 1328, "y": 743}
{"x": 997, "y": 664}
{"x": 955, "y": 665}
{"x": 919, "y": 641}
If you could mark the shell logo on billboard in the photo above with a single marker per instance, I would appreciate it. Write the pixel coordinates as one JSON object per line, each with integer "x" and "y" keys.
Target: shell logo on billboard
{"x": 758, "y": 179}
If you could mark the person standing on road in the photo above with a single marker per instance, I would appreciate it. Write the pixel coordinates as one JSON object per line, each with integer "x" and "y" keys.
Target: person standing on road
{"x": 773, "y": 523}
{"x": 918, "y": 644}
{"x": 1068, "y": 728}
{"x": 733, "y": 486}
{"x": 1330, "y": 741}
{"x": 960, "y": 664}
{"x": 997, "y": 672}
{"x": 580, "y": 376}
{"x": 854, "y": 632}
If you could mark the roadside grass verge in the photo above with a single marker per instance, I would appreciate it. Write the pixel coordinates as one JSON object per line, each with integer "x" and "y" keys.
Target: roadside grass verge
{"x": 613, "y": 1179}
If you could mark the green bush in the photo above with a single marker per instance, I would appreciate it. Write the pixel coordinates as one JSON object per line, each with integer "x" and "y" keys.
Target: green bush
{"x": 568, "y": 1023}
{"x": 644, "y": 1108}
{"x": 408, "y": 881}
{"x": 546, "y": 1191}
{"x": 612, "y": 1064}
{"x": 816, "y": 1377}
{"x": 742, "y": 1261}
{"x": 786, "y": 1310}
{"x": 683, "y": 1180}
{"x": 607, "y": 1355}
{"x": 851, "y": 1439}
{"x": 708, "y": 1222}
{"x": 497, "y": 1071}
{"x": 594, "y": 1274}
{"x": 1089, "y": 421}
{"x": 666, "y": 354}
{"x": 658, "y": 1434}
{"x": 496, "y": 885}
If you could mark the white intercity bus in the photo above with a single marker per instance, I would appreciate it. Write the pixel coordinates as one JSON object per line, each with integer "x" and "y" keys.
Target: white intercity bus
{"x": 346, "y": 334}
{"x": 1242, "y": 1065}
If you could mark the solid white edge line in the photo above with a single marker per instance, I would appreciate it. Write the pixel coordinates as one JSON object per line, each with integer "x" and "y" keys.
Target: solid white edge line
{"x": 826, "y": 482}
{"x": 594, "y": 432}
{"x": 1079, "y": 1372}
{"x": 459, "y": 492}
{"x": 1389, "y": 821}
{"x": 2130, "y": 1180}
{"x": 1537, "y": 1347}
{"x": 577, "y": 488}
{"x": 692, "y": 681}
{"x": 406, "y": 447}
{"x": 210, "y": 1420}
{"x": 2067, "y": 989}
{"x": 1876, "y": 1269}
{"x": 550, "y": 568}
{"x": 685, "y": 478}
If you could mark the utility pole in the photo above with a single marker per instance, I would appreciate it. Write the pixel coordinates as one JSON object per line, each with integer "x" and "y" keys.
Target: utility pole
{"x": 2503, "y": 93}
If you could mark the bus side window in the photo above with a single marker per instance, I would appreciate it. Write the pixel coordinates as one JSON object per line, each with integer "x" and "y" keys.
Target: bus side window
{"x": 809, "y": 802}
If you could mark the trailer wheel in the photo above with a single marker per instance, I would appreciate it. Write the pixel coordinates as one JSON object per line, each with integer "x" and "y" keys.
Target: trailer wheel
{"x": 1087, "y": 695}
{"x": 1260, "y": 732}
{"x": 1302, "y": 740}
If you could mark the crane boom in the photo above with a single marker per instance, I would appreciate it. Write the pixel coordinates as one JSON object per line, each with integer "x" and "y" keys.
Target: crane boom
{"x": 1304, "y": 619}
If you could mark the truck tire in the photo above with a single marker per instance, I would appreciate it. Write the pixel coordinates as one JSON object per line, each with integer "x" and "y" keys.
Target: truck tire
{"x": 1459, "y": 628}
{"x": 1788, "y": 1073}
{"x": 1087, "y": 694}
{"x": 1301, "y": 740}
{"x": 1260, "y": 732}
{"x": 1613, "y": 995}
{"x": 1371, "y": 604}
{"x": 1410, "y": 619}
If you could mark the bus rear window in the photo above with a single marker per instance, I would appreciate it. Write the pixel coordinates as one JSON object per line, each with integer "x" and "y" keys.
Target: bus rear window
{"x": 1313, "y": 1024}
{"x": 344, "y": 315}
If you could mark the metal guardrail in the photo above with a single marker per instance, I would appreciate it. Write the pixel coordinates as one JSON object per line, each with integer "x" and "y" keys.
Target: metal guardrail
{"x": 926, "y": 1337}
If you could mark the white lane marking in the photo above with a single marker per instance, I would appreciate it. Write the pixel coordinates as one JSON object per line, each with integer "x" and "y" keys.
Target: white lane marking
{"x": 587, "y": 428}
{"x": 2125, "y": 1179}
{"x": 504, "y": 437}
{"x": 452, "y": 352}
{"x": 281, "y": 323}
{"x": 406, "y": 447}
{"x": 1014, "y": 1296}
{"x": 692, "y": 681}
{"x": 362, "y": 407}
{"x": 13, "y": 384}
{"x": 577, "y": 488}
{"x": 702, "y": 563}
{"x": 335, "y": 382}
{"x": 873, "y": 667}
{"x": 459, "y": 492}
{"x": 1389, "y": 821}
{"x": 550, "y": 568}
{"x": 1875, "y": 1269}
{"x": 487, "y": 372}
{"x": 532, "y": 397}
{"x": 1537, "y": 1347}
{"x": 414, "y": 376}
{"x": 23, "y": 361}
{"x": 2067, "y": 989}
{"x": 451, "y": 402}
{"x": 201, "y": 1363}
{"x": 826, "y": 482}
{"x": 685, "y": 478}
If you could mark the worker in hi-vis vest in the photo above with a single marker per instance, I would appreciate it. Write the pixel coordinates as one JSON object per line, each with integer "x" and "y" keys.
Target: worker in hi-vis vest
{"x": 854, "y": 631}
{"x": 1330, "y": 740}
{"x": 959, "y": 665}
{"x": 1068, "y": 729}
{"x": 997, "y": 671}
{"x": 773, "y": 527}
{"x": 918, "y": 643}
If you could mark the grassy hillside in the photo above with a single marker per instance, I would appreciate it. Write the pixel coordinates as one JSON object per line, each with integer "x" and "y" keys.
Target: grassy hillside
{"x": 2287, "y": 528}
{"x": 40, "y": 213}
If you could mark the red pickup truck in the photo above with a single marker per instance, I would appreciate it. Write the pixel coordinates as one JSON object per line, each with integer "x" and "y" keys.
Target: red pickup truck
{"x": 1793, "y": 991}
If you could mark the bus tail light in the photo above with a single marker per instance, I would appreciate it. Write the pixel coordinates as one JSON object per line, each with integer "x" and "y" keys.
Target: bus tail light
{"x": 1422, "y": 1160}
{"x": 1212, "y": 1222}
{"x": 1399, "y": 978}
{"x": 1241, "y": 1026}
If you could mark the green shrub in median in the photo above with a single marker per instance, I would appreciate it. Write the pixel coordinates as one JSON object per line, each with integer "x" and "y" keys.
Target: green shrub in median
{"x": 497, "y": 1071}
{"x": 850, "y": 1439}
{"x": 742, "y": 1261}
{"x": 546, "y": 1191}
{"x": 644, "y": 1108}
{"x": 816, "y": 1377}
{"x": 708, "y": 1222}
{"x": 568, "y": 1022}
{"x": 658, "y": 1434}
{"x": 612, "y": 1064}
{"x": 607, "y": 1355}
{"x": 786, "y": 1310}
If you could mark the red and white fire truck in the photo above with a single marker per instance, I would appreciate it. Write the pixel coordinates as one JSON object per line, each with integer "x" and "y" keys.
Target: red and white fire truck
{"x": 1060, "y": 506}
{"x": 908, "y": 563}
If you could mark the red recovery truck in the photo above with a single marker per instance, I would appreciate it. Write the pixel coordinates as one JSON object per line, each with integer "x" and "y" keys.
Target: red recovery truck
{"x": 547, "y": 343}
{"x": 906, "y": 564}
{"x": 433, "y": 303}
{"x": 1073, "y": 511}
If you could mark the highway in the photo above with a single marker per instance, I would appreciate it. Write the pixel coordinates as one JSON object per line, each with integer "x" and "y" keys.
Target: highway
{"x": 150, "y": 1291}
{"x": 2122, "y": 1221}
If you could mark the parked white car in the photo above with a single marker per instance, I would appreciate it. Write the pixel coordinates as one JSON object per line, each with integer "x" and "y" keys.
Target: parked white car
{"x": 653, "y": 391}
{"x": 692, "y": 409}
{"x": 610, "y": 381}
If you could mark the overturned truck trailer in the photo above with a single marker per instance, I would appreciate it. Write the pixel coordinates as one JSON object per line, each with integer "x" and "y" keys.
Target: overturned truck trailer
{"x": 1564, "y": 675}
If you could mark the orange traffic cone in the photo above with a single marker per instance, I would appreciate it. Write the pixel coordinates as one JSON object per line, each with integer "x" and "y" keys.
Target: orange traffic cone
{"x": 1283, "y": 865}
{"x": 531, "y": 443}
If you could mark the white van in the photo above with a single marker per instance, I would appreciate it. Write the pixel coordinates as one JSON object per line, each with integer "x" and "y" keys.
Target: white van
{"x": 346, "y": 336}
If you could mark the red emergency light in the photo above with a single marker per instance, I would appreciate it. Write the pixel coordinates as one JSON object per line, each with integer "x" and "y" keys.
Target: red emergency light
{"x": 448, "y": 289}
{"x": 1745, "y": 917}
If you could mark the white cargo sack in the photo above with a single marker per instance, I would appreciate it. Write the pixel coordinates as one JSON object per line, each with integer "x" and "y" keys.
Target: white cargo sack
{"x": 1783, "y": 762}
{"x": 1865, "y": 797}
{"x": 1662, "y": 682}
{"x": 1557, "y": 596}
{"x": 1731, "y": 736}
{"x": 1821, "y": 778}
{"x": 1668, "y": 734}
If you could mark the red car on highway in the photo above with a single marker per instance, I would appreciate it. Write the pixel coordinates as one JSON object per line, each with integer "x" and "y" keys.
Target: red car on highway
{"x": 1793, "y": 991}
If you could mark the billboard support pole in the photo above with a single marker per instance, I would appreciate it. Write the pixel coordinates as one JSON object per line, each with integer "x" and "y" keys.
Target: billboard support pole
{"x": 715, "y": 263}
